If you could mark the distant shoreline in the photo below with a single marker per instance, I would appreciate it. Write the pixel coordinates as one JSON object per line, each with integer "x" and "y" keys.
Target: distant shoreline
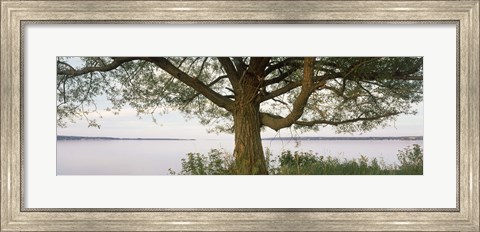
{"x": 406, "y": 138}
{"x": 350, "y": 138}
{"x": 63, "y": 137}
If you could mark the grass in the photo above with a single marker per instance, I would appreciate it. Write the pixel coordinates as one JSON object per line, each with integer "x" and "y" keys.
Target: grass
{"x": 220, "y": 162}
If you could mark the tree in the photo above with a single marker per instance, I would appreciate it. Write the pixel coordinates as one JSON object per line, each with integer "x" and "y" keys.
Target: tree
{"x": 242, "y": 95}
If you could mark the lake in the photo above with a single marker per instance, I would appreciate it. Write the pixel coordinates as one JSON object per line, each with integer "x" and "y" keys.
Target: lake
{"x": 155, "y": 157}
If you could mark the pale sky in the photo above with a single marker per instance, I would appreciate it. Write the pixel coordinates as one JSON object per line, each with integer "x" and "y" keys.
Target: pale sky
{"x": 174, "y": 125}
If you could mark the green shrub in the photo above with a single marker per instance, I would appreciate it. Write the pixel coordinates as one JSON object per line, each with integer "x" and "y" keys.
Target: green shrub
{"x": 411, "y": 160}
{"x": 219, "y": 162}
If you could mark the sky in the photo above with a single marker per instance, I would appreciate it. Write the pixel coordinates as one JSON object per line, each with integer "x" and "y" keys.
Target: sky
{"x": 174, "y": 125}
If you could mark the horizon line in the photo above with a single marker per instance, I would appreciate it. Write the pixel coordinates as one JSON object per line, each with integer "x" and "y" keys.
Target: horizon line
{"x": 265, "y": 138}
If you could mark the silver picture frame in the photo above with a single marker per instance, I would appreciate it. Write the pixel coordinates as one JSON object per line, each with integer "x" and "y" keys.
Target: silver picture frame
{"x": 16, "y": 14}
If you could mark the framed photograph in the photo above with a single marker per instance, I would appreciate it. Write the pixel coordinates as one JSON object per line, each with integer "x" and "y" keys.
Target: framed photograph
{"x": 240, "y": 115}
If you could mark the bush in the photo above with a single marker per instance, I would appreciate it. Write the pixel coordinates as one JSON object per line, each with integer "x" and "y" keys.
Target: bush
{"x": 219, "y": 162}
{"x": 308, "y": 163}
{"x": 411, "y": 160}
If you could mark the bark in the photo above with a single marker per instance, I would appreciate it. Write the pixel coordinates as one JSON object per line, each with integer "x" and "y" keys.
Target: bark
{"x": 249, "y": 157}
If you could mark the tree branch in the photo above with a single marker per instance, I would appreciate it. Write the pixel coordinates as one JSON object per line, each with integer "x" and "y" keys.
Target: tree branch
{"x": 229, "y": 68}
{"x": 279, "y": 78}
{"x": 281, "y": 64}
{"x": 241, "y": 66}
{"x": 374, "y": 77}
{"x": 300, "y": 101}
{"x": 117, "y": 61}
{"x": 290, "y": 86}
{"x": 209, "y": 85}
{"x": 278, "y": 92}
{"x": 196, "y": 84}
{"x": 66, "y": 64}
{"x": 258, "y": 64}
{"x": 272, "y": 120}
{"x": 336, "y": 123}
{"x": 202, "y": 66}
{"x": 360, "y": 64}
{"x": 408, "y": 78}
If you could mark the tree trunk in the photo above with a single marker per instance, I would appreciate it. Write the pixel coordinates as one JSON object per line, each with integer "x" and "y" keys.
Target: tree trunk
{"x": 249, "y": 158}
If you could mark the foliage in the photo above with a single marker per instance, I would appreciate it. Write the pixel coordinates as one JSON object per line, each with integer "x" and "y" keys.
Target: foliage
{"x": 307, "y": 163}
{"x": 219, "y": 162}
{"x": 411, "y": 160}
{"x": 350, "y": 93}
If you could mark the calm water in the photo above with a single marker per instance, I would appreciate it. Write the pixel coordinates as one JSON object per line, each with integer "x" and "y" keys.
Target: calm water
{"x": 155, "y": 157}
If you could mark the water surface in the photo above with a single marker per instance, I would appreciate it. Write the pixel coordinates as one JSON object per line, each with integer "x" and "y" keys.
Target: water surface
{"x": 155, "y": 157}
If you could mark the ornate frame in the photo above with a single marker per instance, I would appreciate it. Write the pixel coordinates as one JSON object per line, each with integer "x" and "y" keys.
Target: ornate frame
{"x": 14, "y": 217}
